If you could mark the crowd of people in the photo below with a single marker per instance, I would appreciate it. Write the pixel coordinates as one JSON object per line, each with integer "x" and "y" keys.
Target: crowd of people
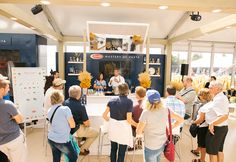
{"x": 68, "y": 119}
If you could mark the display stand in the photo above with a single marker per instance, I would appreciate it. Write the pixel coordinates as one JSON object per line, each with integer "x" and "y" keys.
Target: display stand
{"x": 28, "y": 93}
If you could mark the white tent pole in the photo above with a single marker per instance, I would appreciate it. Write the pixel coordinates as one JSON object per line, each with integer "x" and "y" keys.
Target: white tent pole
{"x": 212, "y": 59}
{"x": 233, "y": 70}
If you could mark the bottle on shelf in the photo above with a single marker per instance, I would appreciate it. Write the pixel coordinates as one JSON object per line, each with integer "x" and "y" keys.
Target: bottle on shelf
{"x": 158, "y": 60}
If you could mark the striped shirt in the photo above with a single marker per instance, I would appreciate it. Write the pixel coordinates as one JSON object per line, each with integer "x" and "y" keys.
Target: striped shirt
{"x": 175, "y": 105}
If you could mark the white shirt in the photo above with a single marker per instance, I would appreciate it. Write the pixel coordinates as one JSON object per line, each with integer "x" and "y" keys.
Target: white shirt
{"x": 218, "y": 107}
{"x": 204, "y": 109}
{"x": 116, "y": 80}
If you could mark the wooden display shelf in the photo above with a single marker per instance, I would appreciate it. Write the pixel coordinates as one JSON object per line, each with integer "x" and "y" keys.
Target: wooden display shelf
{"x": 75, "y": 62}
{"x": 152, "y": 63}
{"x": 72, "y": 74}
{"x": 155, "y": 75}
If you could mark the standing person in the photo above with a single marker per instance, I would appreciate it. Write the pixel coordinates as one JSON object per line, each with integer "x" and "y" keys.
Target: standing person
{"x": 116, "y": 80}
{"x": 49, "y": 80}
{"x": 82, "y": 121}
{"x": 100, "y": 83}
{"x": 61, "y": 122}
{"x": 58, "y": 84}
{"x": 120, "y": 121}
{"x": 217, "y": 117}
{"x": 174, "y": 105}
{"x": 187, "y": 95}
{"x": 205, "y": 98}
{"x": 12, "y": 140}
{"x": 213, "y": 78}
{"x": 153, "y": 123}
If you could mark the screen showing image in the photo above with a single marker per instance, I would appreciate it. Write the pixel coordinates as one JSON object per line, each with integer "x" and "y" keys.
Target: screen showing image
{"x": 113, "y": 44}
{"x": 107, "y": 67}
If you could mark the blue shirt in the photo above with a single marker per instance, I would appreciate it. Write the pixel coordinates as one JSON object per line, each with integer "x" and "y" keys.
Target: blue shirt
{"x": 119, "y": 107}
{"x": 9, "y": 129}
{"x": 175, "y": 105}
{"x": 59, "y": 131}
{"x": 100, "y": 83}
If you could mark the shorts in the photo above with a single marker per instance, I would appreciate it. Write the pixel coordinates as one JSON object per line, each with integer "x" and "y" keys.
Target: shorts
{"x": 215, "y": 143}
{"x": 201, "y": 136}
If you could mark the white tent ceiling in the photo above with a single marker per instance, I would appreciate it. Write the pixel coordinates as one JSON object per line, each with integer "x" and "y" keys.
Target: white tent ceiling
{"x": 72, "y": 20}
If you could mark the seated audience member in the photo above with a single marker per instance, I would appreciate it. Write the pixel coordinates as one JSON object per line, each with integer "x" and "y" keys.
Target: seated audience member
{"x": 61, "y": 121}
{"x": 58, "y": 84}
{"x": 174, "y": 105}
{"x": 100, "y": 83}
{"x": 12, "y": 140}
{"x": 120, "y": 121}
{"x": 208, "y": 83}
{"x": 188, "y": 96}
{"x": 216, "y": 117}
{"x": 231, "y": 92}
{"x": 205, "y": 98}
{"x": 153, "y": 123}
{"x": 81, "y": 119}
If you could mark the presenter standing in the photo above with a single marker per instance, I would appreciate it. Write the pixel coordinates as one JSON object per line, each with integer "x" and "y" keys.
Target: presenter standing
{"x": 116, "y": 80}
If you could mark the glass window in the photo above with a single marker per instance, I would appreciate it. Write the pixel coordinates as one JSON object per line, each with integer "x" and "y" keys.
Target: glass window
{"x": 222, "y": 61}
{"x": 153, "y": 50}
{"x": 178, "y": 58}
{"x": 51, "y": 58}
{"x": 200, "y": 63}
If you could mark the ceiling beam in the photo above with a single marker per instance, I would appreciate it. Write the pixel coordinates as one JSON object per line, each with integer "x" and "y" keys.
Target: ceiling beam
{"x": 75, "y": 39}
{"x": 212, "y": 27}
{"x": 182, "y": 5}
{"x": 51, "y": 19}
{"x": 179, "y": 23}
{"x": 9, "y": 10}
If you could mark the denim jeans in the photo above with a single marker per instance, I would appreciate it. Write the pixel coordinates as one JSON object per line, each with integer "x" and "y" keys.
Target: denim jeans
{"x": 121, "y": 152}
{"x": 59, "y": 148}
{"x": 153, "y": 155}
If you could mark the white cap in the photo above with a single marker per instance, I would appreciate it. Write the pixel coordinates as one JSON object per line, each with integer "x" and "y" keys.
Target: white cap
{"x": 3, "y": 77}
{"x": 57, "y": 82}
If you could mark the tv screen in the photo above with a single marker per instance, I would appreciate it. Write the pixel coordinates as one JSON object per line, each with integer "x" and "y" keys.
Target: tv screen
{"x": 107, "y": 68}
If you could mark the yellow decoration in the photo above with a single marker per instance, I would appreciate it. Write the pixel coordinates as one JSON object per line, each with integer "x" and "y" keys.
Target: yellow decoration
{"x": 144, "y": 80}
{"x": 137, "y": 39}
{"x": 85, "y": 79}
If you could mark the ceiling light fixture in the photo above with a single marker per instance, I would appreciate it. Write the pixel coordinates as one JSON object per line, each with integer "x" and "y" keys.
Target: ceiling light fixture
{"x": 216, "y": 11}
{"x": 45, "y": 2}
{"x": 228, "y": 27}
{"x": 105, "y": 4}
{"x": 13, "y": 18}
{"x": 163, "y": 7}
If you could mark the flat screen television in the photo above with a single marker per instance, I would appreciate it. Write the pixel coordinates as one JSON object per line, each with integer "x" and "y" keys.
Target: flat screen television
{"x": 107, "y": 68}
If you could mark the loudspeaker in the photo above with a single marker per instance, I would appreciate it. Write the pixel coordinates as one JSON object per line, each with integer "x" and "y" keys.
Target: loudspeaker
{"x": 184, "y": 69}
{"x": 37, "y": 9}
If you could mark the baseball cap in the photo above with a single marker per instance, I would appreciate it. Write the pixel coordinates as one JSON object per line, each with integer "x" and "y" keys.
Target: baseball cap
{"x": 153, "y": 96}
{"x": 3, "y": 77}
{"x": 57, "y": 82}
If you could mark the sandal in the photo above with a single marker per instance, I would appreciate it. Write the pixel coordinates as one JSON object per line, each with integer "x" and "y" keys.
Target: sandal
{"x": 196, "y": 160}
{"x": 195, "y": 152}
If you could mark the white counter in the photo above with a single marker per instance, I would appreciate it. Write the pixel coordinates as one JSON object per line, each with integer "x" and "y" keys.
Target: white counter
{"x": 96, "y": 105}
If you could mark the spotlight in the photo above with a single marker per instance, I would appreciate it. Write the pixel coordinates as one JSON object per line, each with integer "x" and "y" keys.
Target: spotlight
{"x": 195, "y": 16}
{"x": 37, "y": 9}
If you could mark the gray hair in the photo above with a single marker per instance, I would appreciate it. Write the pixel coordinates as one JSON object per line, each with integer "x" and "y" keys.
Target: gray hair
{"x": 217, "y": 84}
{"x": 74, "y": 91}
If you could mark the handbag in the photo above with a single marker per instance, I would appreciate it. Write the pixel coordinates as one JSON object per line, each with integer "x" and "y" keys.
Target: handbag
{"x": 169, "y": 151}
{"x": 193, "y": 129}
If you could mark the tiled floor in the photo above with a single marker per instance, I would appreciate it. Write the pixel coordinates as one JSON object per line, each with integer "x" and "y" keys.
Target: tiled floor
{"x": 38, "y": 153}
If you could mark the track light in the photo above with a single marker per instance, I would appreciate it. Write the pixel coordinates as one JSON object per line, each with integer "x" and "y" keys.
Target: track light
{"x": 195, "y": 16}
{"x": 37, "y": 9}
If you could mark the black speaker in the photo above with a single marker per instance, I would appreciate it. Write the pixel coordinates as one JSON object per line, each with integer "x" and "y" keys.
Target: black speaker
{"x": 184, "y": 69}
{"x": 37, "y": 9}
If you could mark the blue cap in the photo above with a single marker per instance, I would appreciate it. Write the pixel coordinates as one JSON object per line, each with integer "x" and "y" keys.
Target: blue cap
{"x": 153, "y": 96}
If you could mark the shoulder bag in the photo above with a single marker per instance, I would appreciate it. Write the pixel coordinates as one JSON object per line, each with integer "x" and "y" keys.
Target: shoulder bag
{"x": 169, "y": 151}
